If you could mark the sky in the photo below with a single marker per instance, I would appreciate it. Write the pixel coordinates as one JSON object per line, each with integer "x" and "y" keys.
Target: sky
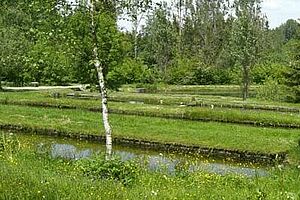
{"x": 277, "y": 11}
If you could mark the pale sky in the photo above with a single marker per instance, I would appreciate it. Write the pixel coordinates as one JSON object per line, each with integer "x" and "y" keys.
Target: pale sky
{"x": 277, "y": 11}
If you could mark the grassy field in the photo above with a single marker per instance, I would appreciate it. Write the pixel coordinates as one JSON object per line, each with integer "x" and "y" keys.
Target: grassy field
{"x": 207, "y": 134}
{"x": 214, "y": 90}
{"x": 28, "y": 175}
{"x": 233, "y": 115}
{"x": 158, "y": 98}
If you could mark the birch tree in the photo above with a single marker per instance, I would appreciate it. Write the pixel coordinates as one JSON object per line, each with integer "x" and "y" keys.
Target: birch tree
{"x": 100, "y": 72}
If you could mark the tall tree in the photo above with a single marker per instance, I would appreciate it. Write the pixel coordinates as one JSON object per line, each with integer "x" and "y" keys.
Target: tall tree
{"x": 247, "y": 35}
{"x": 293, "y": 73}
{"x": 160, "y": 37}
{"x": 14, "y": 40}
{"x": 96, "y": 8}
{"x": 205, "y": 29}
{"x": 136, "y": 10}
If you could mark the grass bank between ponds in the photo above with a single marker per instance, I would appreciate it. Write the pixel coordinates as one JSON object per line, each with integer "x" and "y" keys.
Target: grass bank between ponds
{"x": 210, "y": 134}
{"x": 29, "y": 175}
{"x": 214, "y": 90}
{"x": 227, "y": 154}
{"x": 156, "y": 99}
{"x": 225, "y": 115}
{"x": 190, "y": 100}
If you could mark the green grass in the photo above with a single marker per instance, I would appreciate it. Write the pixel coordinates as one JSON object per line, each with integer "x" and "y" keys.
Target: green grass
{"x": 28, "y": 175}
{"x": 223, "y": 90}
{"x": 202, "y": 101}
{"x": 258, "y": 117}
{"x": 210, "y": 134}
{"x": 156, "y": 99}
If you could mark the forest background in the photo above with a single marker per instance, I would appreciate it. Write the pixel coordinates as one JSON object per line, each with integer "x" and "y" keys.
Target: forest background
{"x": 187, "y": 42}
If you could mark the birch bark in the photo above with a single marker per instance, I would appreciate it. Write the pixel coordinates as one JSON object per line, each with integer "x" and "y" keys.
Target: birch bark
{"x": 99, "y": 68}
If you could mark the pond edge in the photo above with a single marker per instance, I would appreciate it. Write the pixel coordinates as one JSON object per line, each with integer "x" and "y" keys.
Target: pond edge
{"x": 235, "y": 155}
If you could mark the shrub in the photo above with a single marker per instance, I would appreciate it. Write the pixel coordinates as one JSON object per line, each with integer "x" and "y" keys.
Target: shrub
{"x": 131, "y": 71}
{"x": 193, "y": 72}
{"x": 114, "y": 169}
{"x": 182, "y": 72}
{"x": 272, "y": 90}
{"x": 263, "y": 72}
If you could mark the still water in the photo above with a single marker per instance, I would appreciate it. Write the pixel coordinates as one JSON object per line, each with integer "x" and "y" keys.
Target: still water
{"x": 67, "y": 148}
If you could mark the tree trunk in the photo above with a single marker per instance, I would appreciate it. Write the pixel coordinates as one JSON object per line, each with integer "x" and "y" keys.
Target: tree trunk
{"x": 135, "y": 32}
{"x": 180, "y": 28}
{"x": 246, "y": 82}
{"x": 103, "y": 91}
{"x": 0, "y": 79}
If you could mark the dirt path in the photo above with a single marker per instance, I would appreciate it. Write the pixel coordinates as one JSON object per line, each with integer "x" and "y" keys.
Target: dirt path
{"x": 80, "y": 87}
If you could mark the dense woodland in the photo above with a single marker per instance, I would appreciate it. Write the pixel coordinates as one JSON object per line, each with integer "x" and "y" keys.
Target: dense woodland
{"x": 186, "y": 42}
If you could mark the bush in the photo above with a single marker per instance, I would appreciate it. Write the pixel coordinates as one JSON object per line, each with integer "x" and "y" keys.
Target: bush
{"x": 131, "y": 71}
{"x": 114, "y": 169}
{"x": 272, "y": 90}
{"x": 263, "y": 72}
{"x": 182, "y": 72}
{"x": 193, "y": 72}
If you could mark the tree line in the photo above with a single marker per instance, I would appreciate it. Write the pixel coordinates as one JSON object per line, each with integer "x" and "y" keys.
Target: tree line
{"x": 183, "y": 42}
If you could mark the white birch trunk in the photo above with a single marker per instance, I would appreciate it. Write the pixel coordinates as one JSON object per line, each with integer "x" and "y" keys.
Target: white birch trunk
{"x": 103, "y": 91}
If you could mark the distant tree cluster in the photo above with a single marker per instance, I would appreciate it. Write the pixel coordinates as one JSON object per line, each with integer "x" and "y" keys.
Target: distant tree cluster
{"x": 185, "y": 42}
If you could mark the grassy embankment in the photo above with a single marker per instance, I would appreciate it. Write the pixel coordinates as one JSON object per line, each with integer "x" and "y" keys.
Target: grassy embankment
{"x": 213, "y": 90}
{"x": 230, "y": 115}
{"x": 208, "y": 134}
{"x": 215, "y": 135}
{"x": 196, "y": 99}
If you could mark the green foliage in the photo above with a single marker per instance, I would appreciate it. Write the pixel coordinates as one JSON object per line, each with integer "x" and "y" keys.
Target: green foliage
{"x": 48, "y": 65}
{"x": 189, "y": 42}
{"x": 98, "y": 167}
{"x": 193, "y": 72}
{"x": 160, "y": 40}
{"x": 183, "y": 72}
{"x": 212, "y": 76}
{"x": 266, "y": 71}
{"x": 14, "y": 43}
{"x": 293, "y": 72}
{"x": 9, "y": 145}
{"x": 247, "y": 38}
{"x": 290, "y": 30}
{"x": 271, "y": 90}
{"x": 130, "y": 71}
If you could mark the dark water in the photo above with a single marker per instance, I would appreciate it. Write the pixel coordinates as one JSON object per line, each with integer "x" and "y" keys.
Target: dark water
{"x": 153, "y": 160}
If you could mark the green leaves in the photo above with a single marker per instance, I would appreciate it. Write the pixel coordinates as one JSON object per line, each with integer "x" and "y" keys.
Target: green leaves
{"x": 9, "y": 145}
{"x": 115, "y": 169}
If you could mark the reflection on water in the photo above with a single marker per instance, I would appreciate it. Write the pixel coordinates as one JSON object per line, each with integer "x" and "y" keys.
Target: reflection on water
{"x": 68, "y": 151}
{"x": 154, "y": 161}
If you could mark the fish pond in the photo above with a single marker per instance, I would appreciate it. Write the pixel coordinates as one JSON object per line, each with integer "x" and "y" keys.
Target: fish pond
{"x": 167, "y": 162}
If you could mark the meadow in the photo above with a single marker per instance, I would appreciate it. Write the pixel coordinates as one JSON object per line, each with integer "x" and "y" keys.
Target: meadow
{"x": 163, "y": 118}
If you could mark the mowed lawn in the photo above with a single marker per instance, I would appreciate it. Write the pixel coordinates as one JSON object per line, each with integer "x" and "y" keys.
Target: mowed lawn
{"x": 206, "y": 134}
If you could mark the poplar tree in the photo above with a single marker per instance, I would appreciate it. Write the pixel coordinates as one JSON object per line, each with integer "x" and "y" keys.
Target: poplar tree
{"x": 247, "y": 35}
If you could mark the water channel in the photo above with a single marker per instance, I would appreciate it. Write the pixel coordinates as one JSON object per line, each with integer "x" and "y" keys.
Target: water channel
{"x": 67, "y": 148}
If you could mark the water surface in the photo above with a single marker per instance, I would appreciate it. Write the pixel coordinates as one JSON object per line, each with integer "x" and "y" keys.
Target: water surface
{"x": 67, "y": 148}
